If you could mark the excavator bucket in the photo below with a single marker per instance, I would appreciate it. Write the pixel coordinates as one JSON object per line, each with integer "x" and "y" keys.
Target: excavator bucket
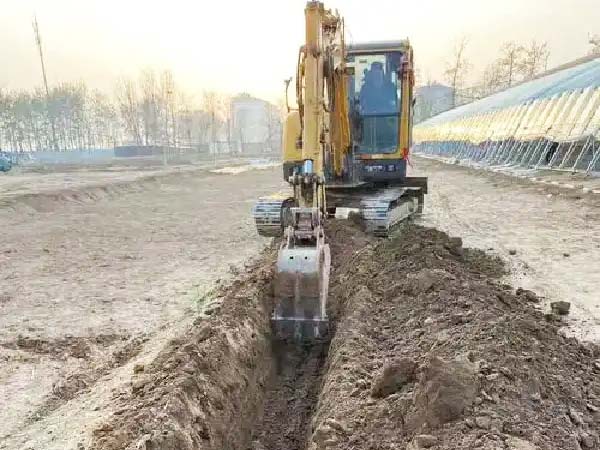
{"x": 302, "y": 281}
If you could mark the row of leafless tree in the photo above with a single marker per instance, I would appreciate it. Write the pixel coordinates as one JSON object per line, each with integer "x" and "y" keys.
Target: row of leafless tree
{"x": 595, "y": 45}
{"x": 147, "y": 110}
{"x": 515, "y": 63}
{"x": 72, "y": 116}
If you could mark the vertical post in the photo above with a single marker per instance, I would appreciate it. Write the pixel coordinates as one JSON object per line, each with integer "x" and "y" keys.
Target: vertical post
{"x": 213, "y": 135}
{"x": 567, "y": 156}
{"x": 582, "y": 153}
{"x": 38, "y": 41}
{"x": 595, "y": 156}
{"x": 543, "y": 153}
{"x": 556, "y": 155}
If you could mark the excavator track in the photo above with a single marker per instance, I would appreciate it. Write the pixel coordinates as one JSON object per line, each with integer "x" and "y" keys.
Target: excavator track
{"x": 381, "y": 212}
{"x": 268, "y": 213}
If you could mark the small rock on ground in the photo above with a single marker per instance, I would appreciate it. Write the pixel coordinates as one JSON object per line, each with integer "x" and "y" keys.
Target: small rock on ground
{"x": 394, "y": 375}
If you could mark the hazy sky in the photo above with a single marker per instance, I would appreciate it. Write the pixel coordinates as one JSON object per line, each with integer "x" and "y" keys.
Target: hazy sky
{"x": 252, "y": 45}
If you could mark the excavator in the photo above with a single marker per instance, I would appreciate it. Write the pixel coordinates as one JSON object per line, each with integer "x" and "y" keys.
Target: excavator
{"x": 345, "y": 151}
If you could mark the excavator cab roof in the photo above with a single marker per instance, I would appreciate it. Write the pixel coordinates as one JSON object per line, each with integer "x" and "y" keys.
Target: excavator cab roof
{"x": 373, "y": 47}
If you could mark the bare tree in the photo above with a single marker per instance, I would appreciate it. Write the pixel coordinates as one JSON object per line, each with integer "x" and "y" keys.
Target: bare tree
{"x": 491, "y": 81}
{"x": 150, "y": 99}
{"x": 594, "y": 42}
{"x": 211, "y": 104}
{"x": 534, "y": 59}
{"x": 509, "y": 60}
{"x": 457, "y": 68}
{"x": 103, "y": 121}
{"x": 146, "y": 110}
{"x": 168, "y": 106}
{"x": 127, "y": 102}
{"x": 83, "y": 119}
{"x": 185, "y": 120}
{"x": 273, "y": 123}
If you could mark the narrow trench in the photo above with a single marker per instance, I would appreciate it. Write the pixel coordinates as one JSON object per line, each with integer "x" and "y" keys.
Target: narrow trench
{"x": 291, "y": 397}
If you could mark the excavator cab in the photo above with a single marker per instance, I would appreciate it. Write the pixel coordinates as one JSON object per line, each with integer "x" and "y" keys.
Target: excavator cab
{"x": 374, "y": 96}
{"x": 380, "y": 83}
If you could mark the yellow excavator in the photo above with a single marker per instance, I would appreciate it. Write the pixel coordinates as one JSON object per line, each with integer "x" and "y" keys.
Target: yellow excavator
{"x": 345, "y": 149}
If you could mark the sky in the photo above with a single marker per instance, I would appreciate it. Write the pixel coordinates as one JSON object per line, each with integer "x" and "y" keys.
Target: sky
{"x": 251, "y": 46}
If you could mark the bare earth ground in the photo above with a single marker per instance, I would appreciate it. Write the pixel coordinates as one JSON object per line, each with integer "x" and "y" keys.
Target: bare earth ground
{"x": 35, "y": 180}
{"x": 94, "y": 276}
{"x": 428, "y": 350}
{"x": 98, "y": 278}
{"x": 554, "y": 233}
{"x": 576, "y": 181}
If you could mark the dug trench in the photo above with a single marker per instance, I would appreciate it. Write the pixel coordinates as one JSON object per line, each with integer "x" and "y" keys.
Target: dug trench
{"x": 429, "y": 350}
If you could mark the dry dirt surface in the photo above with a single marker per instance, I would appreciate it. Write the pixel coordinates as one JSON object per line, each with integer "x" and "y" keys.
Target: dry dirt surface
{"x": 549, "y": 236}
{"x": 429, "y": 350}
{"x": 116, "y": 333}
{"x": 97, "y": 274}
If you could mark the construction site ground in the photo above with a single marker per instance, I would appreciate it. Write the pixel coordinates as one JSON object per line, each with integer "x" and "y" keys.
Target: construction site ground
{"x": 548, "y": 235}
{"x": 133, "y": 317}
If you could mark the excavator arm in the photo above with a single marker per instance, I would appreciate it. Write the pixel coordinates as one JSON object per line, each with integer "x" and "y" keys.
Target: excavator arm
{"x": 303, "y": 262}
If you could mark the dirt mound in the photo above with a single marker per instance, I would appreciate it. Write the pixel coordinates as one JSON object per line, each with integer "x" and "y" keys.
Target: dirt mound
{"x": 206, "y": 388}
{"x": 445, "y": 389}
{"x": 62, "y": 348}
{"x": 491, "y": 371}
{"x": 58, "y": 193}
{"x": 429, "y": 350}
{"x": 45, "y": 202}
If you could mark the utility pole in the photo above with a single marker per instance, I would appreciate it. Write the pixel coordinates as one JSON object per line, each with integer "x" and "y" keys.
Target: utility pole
{"x": 38, "y": 41}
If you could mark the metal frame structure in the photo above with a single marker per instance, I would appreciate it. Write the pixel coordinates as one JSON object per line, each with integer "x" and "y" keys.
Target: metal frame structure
{"x": 560, "y": 132}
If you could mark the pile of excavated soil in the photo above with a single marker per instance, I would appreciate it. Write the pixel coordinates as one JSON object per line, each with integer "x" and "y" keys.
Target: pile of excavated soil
{"x": 431, "y": 351}
{"x": 206, "y": 387}
{"x": 428, "y": 350}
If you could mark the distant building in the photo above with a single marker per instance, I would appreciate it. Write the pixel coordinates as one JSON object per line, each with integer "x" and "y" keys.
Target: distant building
{"x": 255, "y": 125}
{"x": 431, "y": 100}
